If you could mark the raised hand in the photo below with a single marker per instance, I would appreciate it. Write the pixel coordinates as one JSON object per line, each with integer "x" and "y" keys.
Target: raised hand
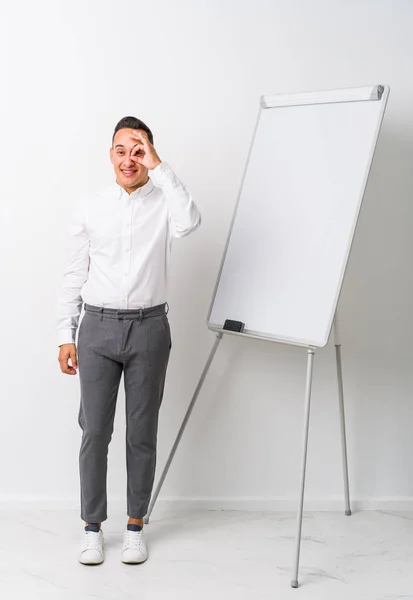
{"x": 144, "y": 152}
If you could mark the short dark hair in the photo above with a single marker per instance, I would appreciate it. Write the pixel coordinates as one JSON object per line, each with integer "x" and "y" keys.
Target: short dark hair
{"x": 132, "y": 123}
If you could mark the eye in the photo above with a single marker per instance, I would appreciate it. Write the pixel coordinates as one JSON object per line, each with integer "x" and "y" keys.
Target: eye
{"x": 120, "y": 153}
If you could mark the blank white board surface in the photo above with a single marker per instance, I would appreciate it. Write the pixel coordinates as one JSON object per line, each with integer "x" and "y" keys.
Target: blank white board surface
{"x": 296, "y": 215}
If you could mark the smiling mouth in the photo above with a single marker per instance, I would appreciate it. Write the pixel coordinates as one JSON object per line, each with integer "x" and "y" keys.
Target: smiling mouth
{"x": 128, "y": 172}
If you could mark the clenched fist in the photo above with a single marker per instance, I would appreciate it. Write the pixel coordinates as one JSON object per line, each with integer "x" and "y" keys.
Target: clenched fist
{"x": 68, "y": 353}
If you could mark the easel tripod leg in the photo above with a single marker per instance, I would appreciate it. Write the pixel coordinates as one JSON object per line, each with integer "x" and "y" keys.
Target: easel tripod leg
{"x": 337, "y": 345}
{"x": 310, "y": 361}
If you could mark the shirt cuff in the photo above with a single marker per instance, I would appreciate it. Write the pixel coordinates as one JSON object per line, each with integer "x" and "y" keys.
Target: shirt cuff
{"x": 162, "y": 174}
{"x": 66, "y": 336}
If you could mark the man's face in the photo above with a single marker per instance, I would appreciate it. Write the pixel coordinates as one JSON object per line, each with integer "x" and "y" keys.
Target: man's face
{"x": 129, "y": 174}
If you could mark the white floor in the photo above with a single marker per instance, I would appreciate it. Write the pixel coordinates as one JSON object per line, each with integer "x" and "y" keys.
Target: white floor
{"x": 211, "y": 555}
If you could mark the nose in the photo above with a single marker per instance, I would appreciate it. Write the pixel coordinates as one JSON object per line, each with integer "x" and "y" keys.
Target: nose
{"x": 128, "y": 162}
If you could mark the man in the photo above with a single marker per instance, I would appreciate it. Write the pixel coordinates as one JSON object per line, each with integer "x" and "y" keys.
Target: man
{"x": 118, "y": 262}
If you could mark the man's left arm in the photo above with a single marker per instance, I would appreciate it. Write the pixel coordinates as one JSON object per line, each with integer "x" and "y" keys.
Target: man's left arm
{"x": 183, "y": 212}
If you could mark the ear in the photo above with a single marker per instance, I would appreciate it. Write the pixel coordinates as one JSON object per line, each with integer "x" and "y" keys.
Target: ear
{"x": 111, "y": 155}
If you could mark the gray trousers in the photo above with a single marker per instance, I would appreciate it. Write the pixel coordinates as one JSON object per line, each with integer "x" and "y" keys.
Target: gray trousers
{"x": 136, "y": 343}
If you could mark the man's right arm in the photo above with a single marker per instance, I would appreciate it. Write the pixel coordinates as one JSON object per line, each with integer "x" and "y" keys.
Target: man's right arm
{"x": 70, "y": 299}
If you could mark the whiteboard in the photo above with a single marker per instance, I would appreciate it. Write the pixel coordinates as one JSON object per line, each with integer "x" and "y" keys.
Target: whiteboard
{"x": 291, "y": 234}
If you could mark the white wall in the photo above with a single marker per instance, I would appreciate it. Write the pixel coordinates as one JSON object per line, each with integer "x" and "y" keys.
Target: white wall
{"x": 194, "y": 71}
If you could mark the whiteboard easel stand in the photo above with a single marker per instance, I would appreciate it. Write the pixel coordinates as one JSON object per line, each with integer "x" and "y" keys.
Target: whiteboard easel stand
{"x": 371, "y": 122}
{"x": 309, "y": 379}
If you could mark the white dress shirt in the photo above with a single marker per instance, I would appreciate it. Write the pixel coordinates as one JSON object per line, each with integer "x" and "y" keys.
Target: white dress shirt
{"x": 119, "y": 247}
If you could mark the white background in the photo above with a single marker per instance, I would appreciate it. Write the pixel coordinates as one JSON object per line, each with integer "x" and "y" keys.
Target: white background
{"x": 194, "y": 71}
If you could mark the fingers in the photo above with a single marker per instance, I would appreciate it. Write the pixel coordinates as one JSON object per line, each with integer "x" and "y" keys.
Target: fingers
{"x": 142, "y": 137}
{"x": 144, "y": 152}
{"x": 73, "y": 358}
{"x": 65, "y": 367}
{"x": 140, "y": 134}
{"x": 138, "y": 150}
{"x": 136, "y": 135}
{"x": 138, "y": 153}
{"x": 67, "y": 354}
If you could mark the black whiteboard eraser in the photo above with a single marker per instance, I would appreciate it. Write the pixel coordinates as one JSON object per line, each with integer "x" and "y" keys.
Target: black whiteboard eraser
{"x": 230, "y": 325}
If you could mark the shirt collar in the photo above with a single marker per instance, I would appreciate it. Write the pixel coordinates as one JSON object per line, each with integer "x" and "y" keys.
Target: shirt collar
{"x": 144, "y": 190}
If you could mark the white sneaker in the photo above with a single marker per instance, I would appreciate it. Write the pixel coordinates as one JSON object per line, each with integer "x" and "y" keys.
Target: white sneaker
{"x": 134, "y": 548}
{"x": 92, "y": 548}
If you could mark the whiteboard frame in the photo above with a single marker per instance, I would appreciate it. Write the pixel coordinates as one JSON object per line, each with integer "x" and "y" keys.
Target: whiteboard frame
{"x": 376, "y": 93}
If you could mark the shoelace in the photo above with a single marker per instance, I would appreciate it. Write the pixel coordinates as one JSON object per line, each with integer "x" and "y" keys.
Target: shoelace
{"x": 92, "y": 540}
{"x": 133, "y": 540}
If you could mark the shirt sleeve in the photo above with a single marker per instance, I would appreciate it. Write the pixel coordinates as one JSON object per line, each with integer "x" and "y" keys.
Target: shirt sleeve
{"x": 75, "y": 276}
{"x": 184, "y": 215}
